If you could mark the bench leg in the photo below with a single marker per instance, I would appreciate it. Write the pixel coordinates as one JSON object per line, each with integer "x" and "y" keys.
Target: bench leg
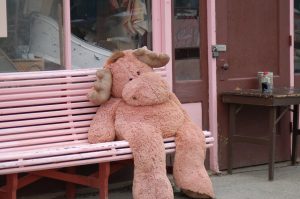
{"x": 104, "y": 170}
{"x": 71, "y": 187}
{"x": 12, "y": 186}
{"x": 272, "y": 141}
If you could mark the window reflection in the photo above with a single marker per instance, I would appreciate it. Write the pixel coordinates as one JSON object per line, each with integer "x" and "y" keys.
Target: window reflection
{"x": 108, "y": 25}
{"x": 113, "y": 24}
{"x": 32, "y": 44}
{"x": 186, "y": 40}
{"x": 35, "y": 32}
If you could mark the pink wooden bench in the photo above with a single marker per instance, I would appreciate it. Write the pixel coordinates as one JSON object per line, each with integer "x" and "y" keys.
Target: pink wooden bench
{"x": 44, "y": 120}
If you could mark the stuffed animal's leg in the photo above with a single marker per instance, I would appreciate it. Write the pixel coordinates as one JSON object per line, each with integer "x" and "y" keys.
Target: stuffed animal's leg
{"x": 189, "y": 171}
{"x": 150, "y": 179}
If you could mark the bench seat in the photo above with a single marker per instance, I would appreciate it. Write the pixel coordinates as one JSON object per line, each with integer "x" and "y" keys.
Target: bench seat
{"x": 44, "y": 120}
{"x": 72, "y": 155}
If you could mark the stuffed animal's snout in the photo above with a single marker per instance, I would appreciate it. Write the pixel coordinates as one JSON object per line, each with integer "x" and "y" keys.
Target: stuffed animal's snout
{"x": 147, "y": 89}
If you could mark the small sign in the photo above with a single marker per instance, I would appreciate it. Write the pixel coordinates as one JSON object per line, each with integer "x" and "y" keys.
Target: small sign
{"x": 3, "y": 19}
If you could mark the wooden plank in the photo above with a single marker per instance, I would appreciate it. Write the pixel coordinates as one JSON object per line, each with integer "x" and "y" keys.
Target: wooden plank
{"x": 46, "y": 127}
{"x": 44, "y": 101}
{"x": 82, "y": 180}
{"x": 43, "y": 88}
{"x": 84, "y": 73}
{"x": 12, "y": 186}
{"x": 104, "y": 171}
{"x": 47, "y": 114}
{"x": 41, "y": 121}
{"x": 43, "y": 134}
{"x": 28, "y": 179}
{"x": 50, "y": 107}
{"x": 40, "y": 95}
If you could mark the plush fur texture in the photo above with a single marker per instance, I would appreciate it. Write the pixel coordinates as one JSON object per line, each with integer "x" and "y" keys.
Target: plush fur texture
{"x": 143, "y": 111}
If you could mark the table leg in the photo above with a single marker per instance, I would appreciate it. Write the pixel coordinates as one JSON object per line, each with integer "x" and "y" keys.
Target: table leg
{"x": 231, "y": 132}
{"x": 295, "y": 133}
{"x": 272, "y": 141}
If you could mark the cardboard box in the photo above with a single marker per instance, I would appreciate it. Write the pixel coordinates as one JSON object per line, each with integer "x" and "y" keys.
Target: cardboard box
{"x": 24, "y": 65}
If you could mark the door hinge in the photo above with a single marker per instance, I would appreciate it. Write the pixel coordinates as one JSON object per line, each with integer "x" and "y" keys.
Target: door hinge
{"x": 216, "y": 49}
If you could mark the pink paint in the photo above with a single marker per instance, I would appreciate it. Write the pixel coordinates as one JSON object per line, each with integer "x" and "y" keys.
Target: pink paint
{"x": 166, "y": 36}
{"x": 213, "y": 109}
{"x": 292, "y": 67}
{"x": 67, "y": 34}
{"x": 156, "y": 26}
{"x": 195, "y": 111}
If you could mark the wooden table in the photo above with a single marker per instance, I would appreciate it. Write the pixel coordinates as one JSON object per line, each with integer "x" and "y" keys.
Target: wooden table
{"x": 281, "y": 97}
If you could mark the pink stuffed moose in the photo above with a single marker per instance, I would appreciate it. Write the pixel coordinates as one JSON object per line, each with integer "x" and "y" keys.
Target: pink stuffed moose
{"x": 137, "y": 105}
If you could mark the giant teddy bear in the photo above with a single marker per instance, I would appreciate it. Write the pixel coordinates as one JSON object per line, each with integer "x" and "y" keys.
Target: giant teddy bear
{"x": 137, "y": 105}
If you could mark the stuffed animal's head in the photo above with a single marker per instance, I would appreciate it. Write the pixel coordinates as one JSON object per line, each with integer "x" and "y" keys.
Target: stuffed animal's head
{"x": 129, "y": 75}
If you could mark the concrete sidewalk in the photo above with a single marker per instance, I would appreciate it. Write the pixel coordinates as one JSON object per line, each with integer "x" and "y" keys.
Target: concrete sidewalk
{"x": 247, "y": 183}
{"x": 252, "y": 183}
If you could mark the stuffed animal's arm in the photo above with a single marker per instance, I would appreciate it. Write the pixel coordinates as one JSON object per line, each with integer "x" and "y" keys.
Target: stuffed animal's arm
{"x": 174, "y": 98}
{"x": 102, "y": 127}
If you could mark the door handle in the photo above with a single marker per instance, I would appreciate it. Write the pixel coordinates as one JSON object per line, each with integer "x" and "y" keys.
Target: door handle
{"x": 225, "y": 66}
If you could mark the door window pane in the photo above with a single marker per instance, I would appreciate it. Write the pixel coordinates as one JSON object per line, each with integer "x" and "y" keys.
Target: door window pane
{"x": 102, "y": 26}
{"x": 34, "y": 36}
{"x": 186, "y": 40}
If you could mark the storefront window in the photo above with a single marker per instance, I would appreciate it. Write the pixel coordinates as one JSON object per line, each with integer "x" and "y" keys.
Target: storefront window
{"x": 297, "y": 35}
{"x": 102, "y": 26}
{"x": 34, "y": 36}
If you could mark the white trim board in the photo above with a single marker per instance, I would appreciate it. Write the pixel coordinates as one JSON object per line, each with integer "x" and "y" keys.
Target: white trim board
{"x": 3, "y": 19}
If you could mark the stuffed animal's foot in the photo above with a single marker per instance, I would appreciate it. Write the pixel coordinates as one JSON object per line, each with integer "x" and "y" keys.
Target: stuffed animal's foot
{"x": 152, "y": 186}
{"x": 194, "y": 183}
{"x": 189, "y": 171}
{"x": 192, "y": 194}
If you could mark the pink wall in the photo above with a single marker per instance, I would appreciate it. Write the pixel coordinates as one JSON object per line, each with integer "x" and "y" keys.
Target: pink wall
{"x": 67, "y": 62}
{"x": 162, "y": 31}
{"x": 157, "y": 26}
{"x": 212, "y": 82}
{"x": 194, "y": 110}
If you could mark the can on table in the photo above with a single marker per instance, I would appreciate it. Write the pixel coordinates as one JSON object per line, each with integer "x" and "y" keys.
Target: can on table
{"x": 265, "y": 81}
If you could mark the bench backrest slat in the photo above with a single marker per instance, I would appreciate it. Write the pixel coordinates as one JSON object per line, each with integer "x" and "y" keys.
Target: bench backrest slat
{"x": 44, "y": 108}
{"x": 43, "y": 95}
{"x": 42, "y": 101}
{"x": 42, "y": 134}
{"x": 54, "y": 113}
{"x": 45, "y": 120}
{"x": 39, "y": 109}
{"x": 31, "y": 147}
{"x": 42, "y": 128}
{"x": 55, "y": 87}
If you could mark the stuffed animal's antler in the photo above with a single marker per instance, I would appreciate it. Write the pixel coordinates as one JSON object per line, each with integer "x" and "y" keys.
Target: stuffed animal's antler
{"x": 151, "y": 58}
{"x": 100, "y": 93}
